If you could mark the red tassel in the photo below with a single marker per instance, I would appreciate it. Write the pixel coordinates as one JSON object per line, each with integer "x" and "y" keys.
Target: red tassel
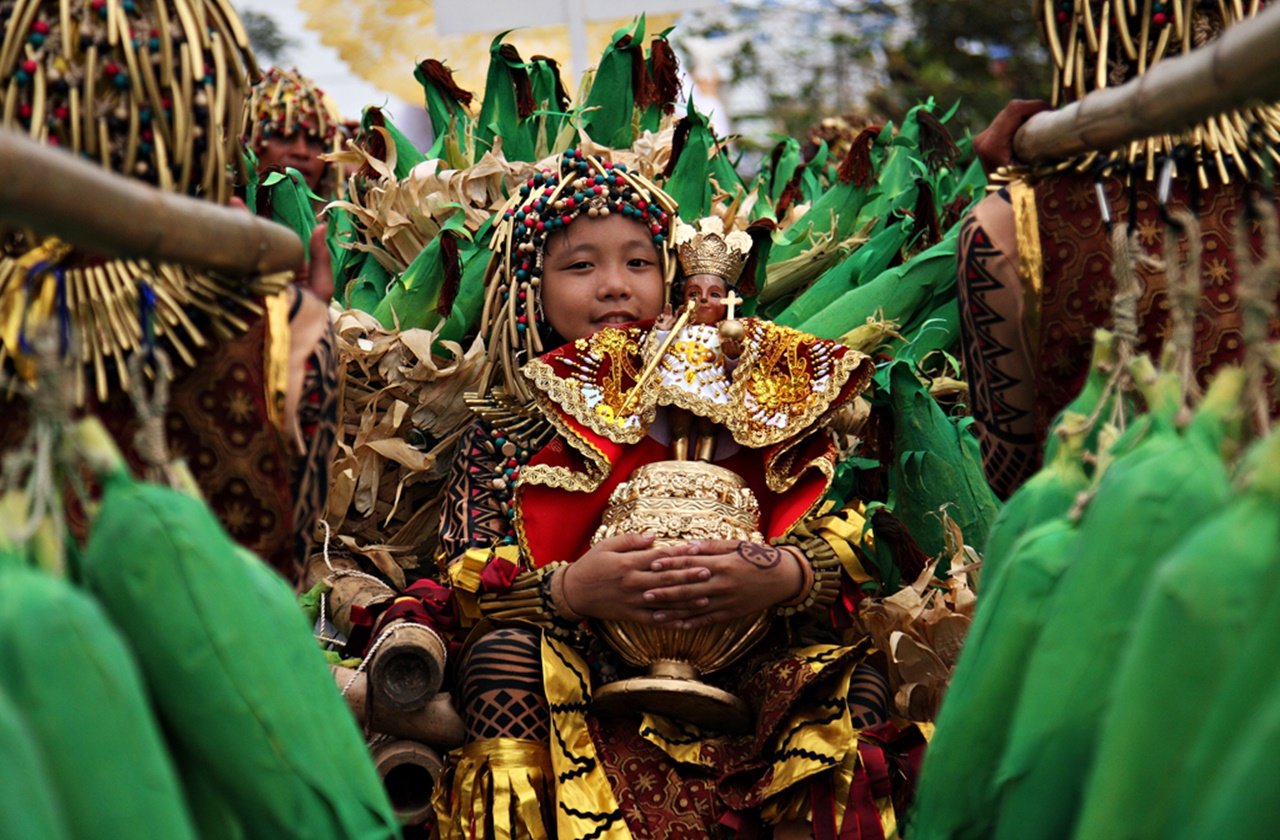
{"x": 664, "y": 88}
{"x": 373, "y": 142}
{"x": 562, "y": 96}
{"x": 442, "y": 77}
{"x": 790, "y": 192}
{"x": 856, "y": 166}
{"x": 678, "y": 139}
{"x": 452, "y": 274}
{"x": 263, "y": 197}
{"x": 907, "y": 554}
{"x": 520, "y": 78}
{"x": 926, "y": 216}
{"x": 935, "y": 142}
{"x": 760, "y": 232}
{"x": 640, "y": 93}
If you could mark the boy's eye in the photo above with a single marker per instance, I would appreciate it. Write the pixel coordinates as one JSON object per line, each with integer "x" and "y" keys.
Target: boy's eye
{"x": 640, "y": 262}
{"x": 578, "y": 266}
{"x": 715, "y": 294}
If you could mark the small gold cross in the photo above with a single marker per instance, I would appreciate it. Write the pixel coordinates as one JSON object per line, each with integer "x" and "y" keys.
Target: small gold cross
{"x": 731, "y": 301}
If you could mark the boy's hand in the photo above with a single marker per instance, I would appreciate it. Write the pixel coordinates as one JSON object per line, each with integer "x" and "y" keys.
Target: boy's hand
{"x": 742, "y": 578}
{"x": 610, "y": 580}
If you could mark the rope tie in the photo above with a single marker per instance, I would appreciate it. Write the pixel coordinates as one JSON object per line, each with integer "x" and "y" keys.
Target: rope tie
{"x": 37, "y": 462}
{"x": 1126, "y": 252}
{"x": 150, "y": 441}
{"x": 1184, "y": 282}
{"x": 386, "y": 634}
{"x": 1259, "y": 282}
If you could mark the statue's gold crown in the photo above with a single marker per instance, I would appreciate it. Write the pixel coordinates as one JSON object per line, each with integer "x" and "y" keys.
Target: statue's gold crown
{"x": 711, "y": 252}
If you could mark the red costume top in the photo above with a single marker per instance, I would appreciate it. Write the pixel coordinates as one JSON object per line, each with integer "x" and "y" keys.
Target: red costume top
{"x": 772, "y": 404}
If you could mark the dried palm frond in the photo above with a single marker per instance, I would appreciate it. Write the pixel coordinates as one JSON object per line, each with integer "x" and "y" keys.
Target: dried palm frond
{"x": 921, "y": 628}
{"x": 403, "y": 412}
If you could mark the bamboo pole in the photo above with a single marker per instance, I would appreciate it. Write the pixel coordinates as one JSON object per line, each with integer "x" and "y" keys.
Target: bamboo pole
{"x": 56, "y": 194}
{"x": 410, "y": 772}
{"x": 1238, "y": 68}
{"x": 436, "y": 724}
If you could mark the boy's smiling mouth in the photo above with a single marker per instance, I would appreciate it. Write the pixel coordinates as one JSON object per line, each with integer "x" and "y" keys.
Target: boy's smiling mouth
{"x": 615, "y": 318}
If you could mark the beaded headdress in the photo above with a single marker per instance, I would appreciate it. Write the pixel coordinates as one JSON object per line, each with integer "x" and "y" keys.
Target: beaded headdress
{"x": 284, "y": 103}
{"x": 1098, "y": 44}
{"x": 545, "y": 204}
{"x": 149, "y": 90}
{"x": 707, "y": 249}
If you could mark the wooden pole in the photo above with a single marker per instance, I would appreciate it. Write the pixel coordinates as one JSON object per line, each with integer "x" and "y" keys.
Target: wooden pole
{"x": 1237, "y": 69}
{"x": 53, "y": 192}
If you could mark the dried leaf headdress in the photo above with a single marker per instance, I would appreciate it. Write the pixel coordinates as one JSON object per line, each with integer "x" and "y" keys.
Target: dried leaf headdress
{"x": 149, "y": 90}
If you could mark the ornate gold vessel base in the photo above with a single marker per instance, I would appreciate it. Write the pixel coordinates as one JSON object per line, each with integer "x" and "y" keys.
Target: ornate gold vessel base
{"x": 678, "y": 501}
{"x": 673, "y": 689}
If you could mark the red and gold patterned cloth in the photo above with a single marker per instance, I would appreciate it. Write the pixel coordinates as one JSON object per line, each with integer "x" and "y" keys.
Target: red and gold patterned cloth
{"x": 219, "y": 421}
{"x": 1035, "y": 280}
{"x": 1078, "y": 284}
{"x": 804, "y": 761}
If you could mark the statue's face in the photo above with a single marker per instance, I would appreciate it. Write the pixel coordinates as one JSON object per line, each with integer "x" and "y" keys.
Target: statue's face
{"x": 708, "y": 293}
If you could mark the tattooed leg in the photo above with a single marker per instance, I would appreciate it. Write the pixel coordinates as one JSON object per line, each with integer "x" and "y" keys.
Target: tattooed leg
{"x": 868, "y": 697}
{"x": 502, "y": 694}
{"x": 997, "y": 360}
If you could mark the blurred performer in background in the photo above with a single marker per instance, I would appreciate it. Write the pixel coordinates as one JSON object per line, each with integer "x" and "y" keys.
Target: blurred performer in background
{"x": 289, "y": 122}
{"x": 1035, "y": 273}
{"x": 135, "y": 90}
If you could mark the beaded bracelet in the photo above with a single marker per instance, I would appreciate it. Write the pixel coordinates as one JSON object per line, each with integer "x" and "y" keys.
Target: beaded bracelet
{"x": 806, "y": 586}
{"x": 824, "y": 566}
{"x": 553, "y": 581}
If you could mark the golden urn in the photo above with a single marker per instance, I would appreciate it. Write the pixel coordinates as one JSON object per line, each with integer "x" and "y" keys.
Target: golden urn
{"x": 680, "y": 501}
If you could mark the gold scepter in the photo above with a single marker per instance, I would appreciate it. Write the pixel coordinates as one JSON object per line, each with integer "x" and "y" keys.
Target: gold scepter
{"x": 649, "y": 369}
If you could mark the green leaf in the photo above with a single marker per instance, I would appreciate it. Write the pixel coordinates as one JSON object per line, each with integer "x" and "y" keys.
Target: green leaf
{"x": 690, "y": 184}
{"x": 607, "y": 113}
{"x": 938, "y": 467}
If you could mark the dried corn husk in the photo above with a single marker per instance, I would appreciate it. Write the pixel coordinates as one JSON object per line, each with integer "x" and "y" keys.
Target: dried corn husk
{"x": 402, "y": 415}
{"x": 920, "y": 629}
{"x": 1148, "y": 500}
{"x": 396, "y": 219}
{"x": 1163, "y": 698}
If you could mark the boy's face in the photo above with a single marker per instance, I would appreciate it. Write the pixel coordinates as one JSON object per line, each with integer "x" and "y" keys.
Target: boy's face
{"x": 600, "y": 271}
{"x": 708, "y": 293}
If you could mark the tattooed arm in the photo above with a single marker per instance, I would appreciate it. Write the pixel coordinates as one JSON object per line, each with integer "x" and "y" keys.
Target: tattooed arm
{"x": 741, "y": 578}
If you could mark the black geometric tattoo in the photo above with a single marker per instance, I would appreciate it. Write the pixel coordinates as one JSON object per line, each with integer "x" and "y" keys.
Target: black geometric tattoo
{"x": 760, "y": 556}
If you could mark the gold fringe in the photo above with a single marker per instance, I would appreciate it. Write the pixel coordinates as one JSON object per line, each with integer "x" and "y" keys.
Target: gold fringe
{"x": 1030, "y": 257}
{"x": 102, "y": 308}
{"x": 586, "y": 806}
{"x": 276, "y": 357}
{"x": 495, "y": 788}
